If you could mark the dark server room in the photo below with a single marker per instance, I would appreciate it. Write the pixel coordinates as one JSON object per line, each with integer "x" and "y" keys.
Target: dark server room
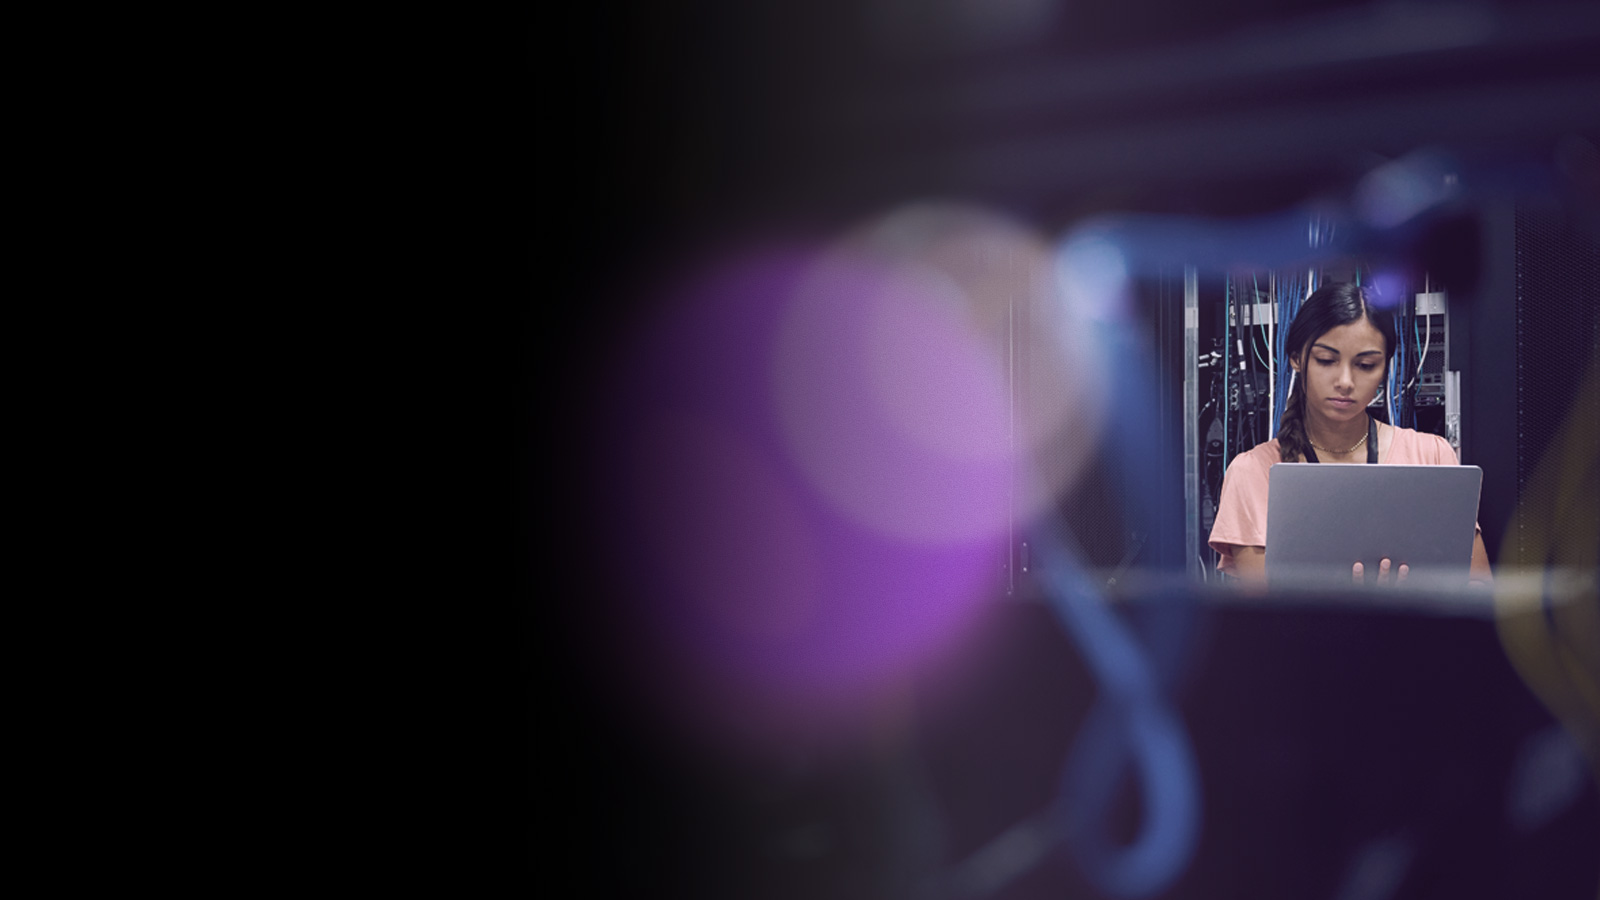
{"x": 915, "y": 373}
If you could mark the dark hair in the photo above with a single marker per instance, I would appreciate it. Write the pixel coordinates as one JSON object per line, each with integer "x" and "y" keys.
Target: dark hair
{"x": 1328, "y": 307}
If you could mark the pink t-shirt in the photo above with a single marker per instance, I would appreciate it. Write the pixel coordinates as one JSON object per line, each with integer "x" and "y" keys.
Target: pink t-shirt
{"x": 1242, "y": 513}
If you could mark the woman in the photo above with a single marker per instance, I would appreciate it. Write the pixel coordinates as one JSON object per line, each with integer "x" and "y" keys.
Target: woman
{"x": 1339, "y": 348}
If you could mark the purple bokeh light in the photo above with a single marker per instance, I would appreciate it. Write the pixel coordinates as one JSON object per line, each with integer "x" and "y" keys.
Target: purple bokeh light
{"x": 813, "y": 458}
{"x": 808, "y": 467}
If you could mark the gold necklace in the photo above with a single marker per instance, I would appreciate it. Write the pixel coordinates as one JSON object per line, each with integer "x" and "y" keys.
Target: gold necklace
{"x": 1338, "y": 452}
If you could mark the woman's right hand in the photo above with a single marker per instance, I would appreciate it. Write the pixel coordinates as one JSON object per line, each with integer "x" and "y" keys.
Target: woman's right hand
{"x": 1385, "y": 576}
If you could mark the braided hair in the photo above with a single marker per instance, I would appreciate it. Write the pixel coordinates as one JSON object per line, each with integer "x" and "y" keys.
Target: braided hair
{"x": 1328, "y": 307}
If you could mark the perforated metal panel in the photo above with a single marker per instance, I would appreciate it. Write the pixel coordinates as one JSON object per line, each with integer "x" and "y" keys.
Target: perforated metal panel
{"x": 1558, "y": 346}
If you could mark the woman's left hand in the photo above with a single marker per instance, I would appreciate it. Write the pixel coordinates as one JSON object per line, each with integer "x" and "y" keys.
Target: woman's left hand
{"x": 1385, "y": 576}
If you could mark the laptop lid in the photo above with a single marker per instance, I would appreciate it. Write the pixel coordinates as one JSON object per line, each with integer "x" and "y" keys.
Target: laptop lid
{"x": 1323, "y": 517}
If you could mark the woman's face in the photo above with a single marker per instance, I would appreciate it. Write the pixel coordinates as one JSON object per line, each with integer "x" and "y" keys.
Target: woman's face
{"x": 1342, "y": 370}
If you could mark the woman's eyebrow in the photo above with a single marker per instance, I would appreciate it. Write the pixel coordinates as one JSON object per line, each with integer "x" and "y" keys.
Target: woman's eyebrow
{"x": 1336, "y": 353}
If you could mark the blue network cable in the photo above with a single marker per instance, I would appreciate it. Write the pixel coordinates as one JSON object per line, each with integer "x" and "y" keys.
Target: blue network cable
{"x": 1133, "y": 723}
{"x": 1421, "y": 356}
{"x": 1396, "y": 367}
{"x": 1289, "y": 295}
{"x": 1133, "y": 728}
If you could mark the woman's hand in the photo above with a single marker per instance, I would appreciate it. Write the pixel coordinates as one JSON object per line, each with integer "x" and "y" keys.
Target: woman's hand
{"x": 1358, "y": 574}
{"x": 1250, "y": 564}
{"x": 1481, "y": 576}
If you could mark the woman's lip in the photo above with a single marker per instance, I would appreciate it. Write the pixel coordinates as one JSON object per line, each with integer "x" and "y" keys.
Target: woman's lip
{"x": 1339, "y": 402}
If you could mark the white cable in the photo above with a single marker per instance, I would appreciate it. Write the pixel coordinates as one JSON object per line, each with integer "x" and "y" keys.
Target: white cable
{"x": 1427, "y": 341}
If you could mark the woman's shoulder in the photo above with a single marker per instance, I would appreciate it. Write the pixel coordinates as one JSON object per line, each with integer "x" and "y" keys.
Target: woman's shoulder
{"x": 1248, "y": 470}
{"x": 1263, "y": 455}
{"x": 1410, "y": 445}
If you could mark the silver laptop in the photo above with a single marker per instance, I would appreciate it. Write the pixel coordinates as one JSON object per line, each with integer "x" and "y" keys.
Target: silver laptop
{"x": 1323, "y": 517}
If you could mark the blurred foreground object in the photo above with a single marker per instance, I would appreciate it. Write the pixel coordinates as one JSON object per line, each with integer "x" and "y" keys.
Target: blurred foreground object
{"x": 1345, "y": 749}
